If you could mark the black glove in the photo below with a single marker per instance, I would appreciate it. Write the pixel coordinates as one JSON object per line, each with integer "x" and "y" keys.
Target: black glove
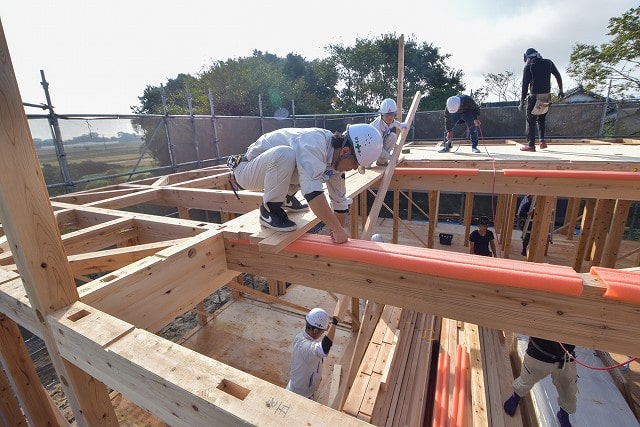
{"x": 561, "y": 94}
{"x": 521, "y": 105}
{"x": 334, "y": 321}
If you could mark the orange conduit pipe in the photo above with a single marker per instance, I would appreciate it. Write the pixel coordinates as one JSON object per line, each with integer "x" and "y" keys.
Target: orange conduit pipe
{"x": 493, "y": 271}
{"x": 435, "y": 171}
{"x": 462, "y": 390}
{"x": 456, "y": 387}
{"x": 441, "y": 421}
{"x": 621, "y": 285}
{"x": 591, "y": 175}
{"x": 437, "y": 401}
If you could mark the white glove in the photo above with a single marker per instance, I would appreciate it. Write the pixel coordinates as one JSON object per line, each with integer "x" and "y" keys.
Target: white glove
{"x": 403, "y": 125}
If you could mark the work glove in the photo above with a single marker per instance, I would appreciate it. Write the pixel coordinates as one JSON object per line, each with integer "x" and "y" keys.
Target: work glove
{"x": 449, "y": 135}
{"x": 335, "y": 320}
{"x": 521, "y": 105}
{"x": 403, "y": 125}
{"x": 561, "y": 94}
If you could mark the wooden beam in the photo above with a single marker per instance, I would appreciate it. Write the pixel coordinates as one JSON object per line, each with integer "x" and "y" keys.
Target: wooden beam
{"x": 585, "y": 233}
{"x": 178, "y": 385}
{"x": 27, "y": 220}
{"x": 521, "y": 310}
{"x": 616, "y": 231}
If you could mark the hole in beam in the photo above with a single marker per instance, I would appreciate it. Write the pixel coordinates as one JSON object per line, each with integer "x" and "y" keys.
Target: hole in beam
{"x": 233, "y": 389}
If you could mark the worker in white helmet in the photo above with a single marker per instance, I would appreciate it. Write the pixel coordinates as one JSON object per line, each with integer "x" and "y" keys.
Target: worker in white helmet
{"x": 309, "y": 351}
{"x": 461, "y": 109}
{"x": 387, "y": 124}
{"x": 319, "y": 157}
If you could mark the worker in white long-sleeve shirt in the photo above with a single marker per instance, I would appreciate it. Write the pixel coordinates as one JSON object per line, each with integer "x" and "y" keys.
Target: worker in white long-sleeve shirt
{"x": 320, "y": 157}
{"x": 309, "y": 352}
{"x": 387, "y": 124}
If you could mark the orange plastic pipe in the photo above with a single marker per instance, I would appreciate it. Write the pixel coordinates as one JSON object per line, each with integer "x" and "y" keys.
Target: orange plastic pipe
{"x": 621, "y": 285}
{"x": 542, "y": 277}
{"x": 438, "y": 398}
{"x": 442, "y": 417}
{"x": 592, "y": 175}
{"x": 456, "y": 387}
{"x": 462, "y": 390}
{"x": 435, "y": 171}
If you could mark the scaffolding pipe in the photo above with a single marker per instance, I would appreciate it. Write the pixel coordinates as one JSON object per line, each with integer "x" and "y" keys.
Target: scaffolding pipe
{"x": 57, "y": 138}
{"x": 193, "y": 125}
{"x": 213, "y": 124}
{"x": 165, "y": 119}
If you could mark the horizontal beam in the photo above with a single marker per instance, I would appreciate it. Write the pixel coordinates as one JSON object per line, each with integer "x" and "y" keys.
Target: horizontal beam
{"x": 178, "y": 385}
{"x": 497, "y": 182}
{"x": 588, "y": 319}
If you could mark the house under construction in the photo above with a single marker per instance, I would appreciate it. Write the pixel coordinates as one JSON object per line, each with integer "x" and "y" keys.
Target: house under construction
{"x": 426, "y": 333}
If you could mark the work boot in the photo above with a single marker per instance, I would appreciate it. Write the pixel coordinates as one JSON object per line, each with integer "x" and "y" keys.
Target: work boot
{"x": 382, "y": 162}
{"x": 446, "y": 147}
{"x": 563, "y": 418}
{"x": 274, "y": 217}
{"x": 294, "y": 205}
{"x": 543, "y": 145}
{"x": 511, "y": 404}
{"x": 528, "y": 148}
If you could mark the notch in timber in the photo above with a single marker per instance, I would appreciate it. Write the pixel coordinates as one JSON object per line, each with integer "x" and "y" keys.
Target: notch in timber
{"x": 233, "y": 389}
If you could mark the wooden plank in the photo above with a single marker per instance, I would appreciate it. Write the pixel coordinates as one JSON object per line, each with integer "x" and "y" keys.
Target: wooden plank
{"x": 571, "y": 216}
{"x": 468, "y": 216}
{"x": 585, "y": 233}
{"x": 616, "y": 231}
{"x": 178, "y": 385}
{"x": 601, "y": 224}
{"x": 9, "y": 405}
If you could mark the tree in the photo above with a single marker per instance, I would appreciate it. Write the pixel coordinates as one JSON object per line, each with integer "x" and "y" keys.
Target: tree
{"x": 503, "y": 85}
{"x": 368, "y": 73}
{"x": 616, "y": 61}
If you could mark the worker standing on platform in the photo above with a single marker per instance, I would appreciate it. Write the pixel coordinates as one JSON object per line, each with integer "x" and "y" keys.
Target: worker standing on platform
{"x": 309, "y": 352}
{"x": 320, "y": 157}
{"x": 387, "y": 124}
{"x": 480, "y": 239}
{"x": 544, "y": 357}
{"x": 536, "y": 82}
{"x": 461, "y": 109}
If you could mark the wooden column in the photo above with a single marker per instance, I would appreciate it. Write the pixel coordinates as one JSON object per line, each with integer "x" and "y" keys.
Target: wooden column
{"x": 571, "y": 216}
{"x": 542, "y": 215}
{"x": 505, "y": 238}
{"x": 601, "y": 223}
{"x": 612, "y": 244}
{"x": 396, "y": 215}
{"x": 409, "y": 205}
{"x": 468, "y": 216}
{"x": 434, "y": 203}
{"x": 27, "y": 219}
{"x": 585, "y": 233}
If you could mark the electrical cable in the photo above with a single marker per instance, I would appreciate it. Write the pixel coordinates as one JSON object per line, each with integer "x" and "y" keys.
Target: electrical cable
{"x": 595, "y": 368}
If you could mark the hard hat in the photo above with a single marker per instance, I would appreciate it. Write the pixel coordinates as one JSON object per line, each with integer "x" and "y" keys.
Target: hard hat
{"x": 366, "y": 142}
{"x": 531, "y": 53}
{"x": 453, "y": 104}
{"x": 377, "y": 238}
{"x": 318, "y": 318}
{"x": 388, "y": 106}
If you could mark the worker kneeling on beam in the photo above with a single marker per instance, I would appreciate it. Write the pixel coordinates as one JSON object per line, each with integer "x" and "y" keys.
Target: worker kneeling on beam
{"x": 309, "y": 351}
{"x": 319, "y": 157}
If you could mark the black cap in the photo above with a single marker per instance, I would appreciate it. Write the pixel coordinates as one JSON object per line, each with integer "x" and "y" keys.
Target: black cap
{"x": 483, "y": 220}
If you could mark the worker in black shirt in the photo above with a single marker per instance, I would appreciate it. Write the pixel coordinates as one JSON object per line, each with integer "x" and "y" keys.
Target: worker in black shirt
{"x": 536, "y": 88}
{"x": 544, "y": 357}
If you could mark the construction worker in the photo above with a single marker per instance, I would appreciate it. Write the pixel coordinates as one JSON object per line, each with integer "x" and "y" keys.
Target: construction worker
{"x": 320, "y": 157}
{"x": 480, "y": 239}
{"x": 387, "y": 124}
{"x": 309, "y": 352}
{"x": 542, "y": 358}
{"x": 525, "y": 220}
{"x": 461, "y": 109}
{"x": 536, "y": 81}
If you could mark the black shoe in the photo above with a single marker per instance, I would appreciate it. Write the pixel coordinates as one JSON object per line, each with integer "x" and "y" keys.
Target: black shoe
{"x": 276, "y": 219}
{"x": 294, "y": 205}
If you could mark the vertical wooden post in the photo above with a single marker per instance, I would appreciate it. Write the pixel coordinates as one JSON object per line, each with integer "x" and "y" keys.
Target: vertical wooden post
{"x": 28, "y": 222}
{"x": 542, "y": 215}
{"x": 434, "y": 199}
{"x": 612, "y": 244}
{"x": 396, "y": 215}
{"x": 571, "y": 216}
{"x": 601, "y": 223}
{"x": 468, "y": 216}
{"x": 585, "y": 233}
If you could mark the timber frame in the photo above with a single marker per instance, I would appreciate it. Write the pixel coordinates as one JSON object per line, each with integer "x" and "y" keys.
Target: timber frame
{"x": 102, "y": 334}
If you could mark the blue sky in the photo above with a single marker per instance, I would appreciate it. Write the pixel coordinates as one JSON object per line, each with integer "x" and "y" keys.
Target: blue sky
{"x": 99, "y": 56}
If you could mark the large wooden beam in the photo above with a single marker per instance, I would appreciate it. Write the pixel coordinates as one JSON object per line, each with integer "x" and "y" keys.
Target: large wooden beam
{"x": 502, "y": 307}
{"x": 178, "y": 385}
{"x": 27, "y": 220}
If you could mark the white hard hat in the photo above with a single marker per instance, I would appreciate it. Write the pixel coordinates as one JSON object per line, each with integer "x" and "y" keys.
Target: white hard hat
{"x": 388, "y": 106}
{"x": 366, "y": 142}
{"x": 318, "y": 318}
{"x": 453, "y": 104}
{"x": 377, "y": 238}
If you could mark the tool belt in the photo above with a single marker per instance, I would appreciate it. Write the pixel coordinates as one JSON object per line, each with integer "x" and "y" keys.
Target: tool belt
{"x": 234, "y": 161}
{"x": 552, "y": 358}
